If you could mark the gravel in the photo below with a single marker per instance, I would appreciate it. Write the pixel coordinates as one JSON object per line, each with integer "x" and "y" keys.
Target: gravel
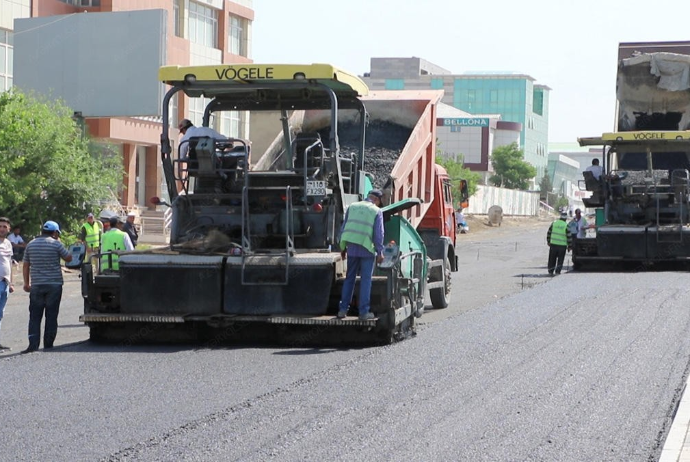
{"x": 383, "y": 145}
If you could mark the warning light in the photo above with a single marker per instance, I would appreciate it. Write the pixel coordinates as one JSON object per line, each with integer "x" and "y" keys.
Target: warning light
{"x": 317, "y": 207}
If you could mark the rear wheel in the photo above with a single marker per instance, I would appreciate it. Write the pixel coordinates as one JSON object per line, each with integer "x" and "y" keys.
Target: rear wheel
{"x": 440, "y": 297}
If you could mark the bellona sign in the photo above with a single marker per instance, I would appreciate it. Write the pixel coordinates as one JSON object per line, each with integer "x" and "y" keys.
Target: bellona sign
{"x": 467, "y": 122}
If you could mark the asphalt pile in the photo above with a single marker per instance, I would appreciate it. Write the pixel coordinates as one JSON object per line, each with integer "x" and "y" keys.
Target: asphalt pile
{"x": 383, "y": 145}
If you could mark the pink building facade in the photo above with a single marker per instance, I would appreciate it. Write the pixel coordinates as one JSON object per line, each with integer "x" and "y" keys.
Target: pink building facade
{"x": 199, "y": 32}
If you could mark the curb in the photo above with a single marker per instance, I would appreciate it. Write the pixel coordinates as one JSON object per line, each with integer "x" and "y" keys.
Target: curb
{"x": 672, "y": 450}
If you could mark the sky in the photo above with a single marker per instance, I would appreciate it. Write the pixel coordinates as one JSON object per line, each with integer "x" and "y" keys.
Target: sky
{"x": 570, "y": 46}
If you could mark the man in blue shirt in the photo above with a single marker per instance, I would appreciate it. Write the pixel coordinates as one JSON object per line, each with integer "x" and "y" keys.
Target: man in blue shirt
{"x": 43, "y": 280}
{"x": 361, "y": 242}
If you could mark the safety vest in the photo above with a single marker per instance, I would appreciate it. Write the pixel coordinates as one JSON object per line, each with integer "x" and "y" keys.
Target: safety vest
{"x": 359, "y": 227}
{"x": 112, "y": 240}
{"x": 93, "y": 234}
{"x": 558, "y": 233}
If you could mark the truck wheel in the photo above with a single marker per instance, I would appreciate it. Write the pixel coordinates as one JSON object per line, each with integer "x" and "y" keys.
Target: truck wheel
{"x": 441, "y": 297}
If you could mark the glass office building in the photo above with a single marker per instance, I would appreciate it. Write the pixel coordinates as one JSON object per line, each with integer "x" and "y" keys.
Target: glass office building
{"x": 515, "y": 97}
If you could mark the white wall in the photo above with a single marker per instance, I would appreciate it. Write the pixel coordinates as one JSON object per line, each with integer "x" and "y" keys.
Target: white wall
{"x": 513, "y": 202}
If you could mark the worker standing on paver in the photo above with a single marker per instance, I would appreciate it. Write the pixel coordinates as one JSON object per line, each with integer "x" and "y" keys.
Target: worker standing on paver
{"x": 114, "y": 240}
{"x": 361, "y": 241}
{"x": 559, "y": 241}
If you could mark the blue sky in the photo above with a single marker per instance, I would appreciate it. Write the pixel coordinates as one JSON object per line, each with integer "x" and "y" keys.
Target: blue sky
{"x": 571, "y": 46}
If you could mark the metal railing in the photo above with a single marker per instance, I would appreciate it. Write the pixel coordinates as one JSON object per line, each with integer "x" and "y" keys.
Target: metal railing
{"x": 154, "y": 225}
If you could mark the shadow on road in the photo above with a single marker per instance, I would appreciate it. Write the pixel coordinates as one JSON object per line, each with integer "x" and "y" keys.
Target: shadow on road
{"x": 87, "y": 346}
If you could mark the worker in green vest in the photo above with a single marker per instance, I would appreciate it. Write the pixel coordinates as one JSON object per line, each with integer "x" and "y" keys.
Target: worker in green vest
{"x": 559, "y": 241}
{"x": 361, "y": 242}
{"x": 114, "y": 240}
{"x": 90, "y": 235}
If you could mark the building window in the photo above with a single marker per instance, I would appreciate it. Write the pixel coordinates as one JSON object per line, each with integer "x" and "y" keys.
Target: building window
{"x": 235, "y": 40}
{"x": 203, "y": 25}
{"x": 538, "y": 101}
{"x": 176, "y": 18}
{"x": 196, "y": 111}
{"x": 173, "y": 118}
{"x": 6, "y": 56}
{"x": 395, "y": 84}
{"x": 82, "y": 2}
{"x": 230, "y": 123}
{"x": 437, "y": 84}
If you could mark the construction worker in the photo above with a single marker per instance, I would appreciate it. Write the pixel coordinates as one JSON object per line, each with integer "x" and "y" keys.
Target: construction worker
{"x": 113, "y": 240}
{"x": 559, "y": 241}
{"x": 131, "y": 229}
{"x": 578, "y": 225}
{"x": 90, "y": 235}
{"x": 361, "y": 242}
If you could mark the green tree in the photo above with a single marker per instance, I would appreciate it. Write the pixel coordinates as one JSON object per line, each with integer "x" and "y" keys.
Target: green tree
{"x": 511, "y": 170}
{"x": 546, "y": 191}
{"x": 562, "y": 203}
{"x": 457, "y": 171}
{"x": 48, "y": 168}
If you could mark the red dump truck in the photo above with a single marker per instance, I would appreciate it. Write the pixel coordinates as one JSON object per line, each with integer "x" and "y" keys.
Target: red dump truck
{"x": 415, "y": 174}
{"x": 254, "y": 244}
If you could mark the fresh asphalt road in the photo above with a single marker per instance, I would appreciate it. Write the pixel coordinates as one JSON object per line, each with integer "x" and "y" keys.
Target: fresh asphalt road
{"x": 520, "y": 367}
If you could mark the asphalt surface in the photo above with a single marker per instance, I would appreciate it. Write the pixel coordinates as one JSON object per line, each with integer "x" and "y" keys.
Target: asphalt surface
{"x": 15, "y": 322}
{"x": 583, "y": 366}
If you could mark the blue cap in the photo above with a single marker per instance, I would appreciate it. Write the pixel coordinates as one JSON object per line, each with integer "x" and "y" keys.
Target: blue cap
{"x": 51, "y": 226}
{"x": 376, "y": 193}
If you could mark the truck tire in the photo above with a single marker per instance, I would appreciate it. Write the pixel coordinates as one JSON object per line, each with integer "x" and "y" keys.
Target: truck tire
{"x": 441, "y": 297}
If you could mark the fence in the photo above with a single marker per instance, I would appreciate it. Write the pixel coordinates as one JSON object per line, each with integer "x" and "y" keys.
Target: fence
{"x": 154, "y": 229}
{"x": 513, "y": 202}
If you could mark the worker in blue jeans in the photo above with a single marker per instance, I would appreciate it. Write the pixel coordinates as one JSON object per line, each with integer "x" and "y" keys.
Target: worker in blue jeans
{"x": 361, "y": 242}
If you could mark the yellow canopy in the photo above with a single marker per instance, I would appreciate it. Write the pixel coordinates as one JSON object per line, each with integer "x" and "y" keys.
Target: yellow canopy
{"x": 216, "y": 79}
{"x": 635, "y": 137}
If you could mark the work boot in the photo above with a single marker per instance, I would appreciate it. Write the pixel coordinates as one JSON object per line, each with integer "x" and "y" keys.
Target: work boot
{"x": 342, "y": 314}
{"x": 367, "y": 316}
{"x": 31, "y": 349}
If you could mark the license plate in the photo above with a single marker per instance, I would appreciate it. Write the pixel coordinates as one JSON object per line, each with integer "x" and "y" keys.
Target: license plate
{"x": 316, "y": 188}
